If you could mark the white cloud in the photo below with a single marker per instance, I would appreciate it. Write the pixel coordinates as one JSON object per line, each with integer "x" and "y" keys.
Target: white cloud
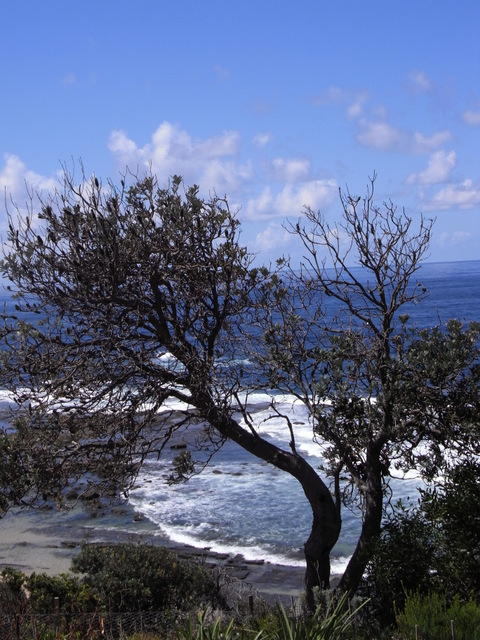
{"x": 261, "y": 139}
{"x": 221, "y": 72}
{"x": 453, "y": 239}
{"x": 420, "y": 82}
{"x": 17, "y": 182}
{"x": 382, "y": 136}
{"x": 69, "y": 79}
{"x": 274, "y": 236}
{"x": 456, "y": 196}
{"x": 355, "y": 109}
{"x": 291, "y": 199}
{"x": 333, "y": 95}
{"x": 22, "y": 187}
{"x": 213, "y": 164}
{"x": 439, "y": 169}
{"x": 289, "y": 169}
{"x": 210, "y": 162}
{"x": 471, "y": 117}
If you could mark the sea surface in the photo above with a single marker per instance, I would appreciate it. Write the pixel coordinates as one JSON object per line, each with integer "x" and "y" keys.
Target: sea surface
{"x": 239, "y": 504}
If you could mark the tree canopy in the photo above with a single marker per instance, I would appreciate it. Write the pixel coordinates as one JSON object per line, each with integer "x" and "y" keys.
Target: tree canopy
{"x": 131, "y": 297}
{"x": 385, "y": 396}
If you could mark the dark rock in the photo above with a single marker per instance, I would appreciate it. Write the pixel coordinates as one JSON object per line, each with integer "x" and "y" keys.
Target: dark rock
{"x": 68, "y": 544}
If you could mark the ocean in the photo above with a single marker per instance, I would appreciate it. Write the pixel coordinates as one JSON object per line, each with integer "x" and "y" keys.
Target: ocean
{"x": 239, "y": 504}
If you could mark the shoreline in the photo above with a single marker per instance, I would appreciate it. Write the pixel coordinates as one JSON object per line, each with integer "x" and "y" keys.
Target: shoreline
{"x": 46, "y": 542}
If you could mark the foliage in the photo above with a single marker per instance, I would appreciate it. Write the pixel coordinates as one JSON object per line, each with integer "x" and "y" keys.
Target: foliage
{"x": 13, "y": 599}
{"x": 335, "y": 623}
{"x": 451, "y": 511}
{"x": 141, "y": 295}
{"x": 383, "y": 395}
{"x": 433, "y": 619}
{"x": 72, "y": 593}
{"x": 140, "y": 577}
{"x": 204, "y": 629}
{"x": 434, "y": 547}
{"x": 113, "y": 279}
{"x": 401, "y": 562}
{"x": 14, "y": 482}
{"x": 128, "y": 297}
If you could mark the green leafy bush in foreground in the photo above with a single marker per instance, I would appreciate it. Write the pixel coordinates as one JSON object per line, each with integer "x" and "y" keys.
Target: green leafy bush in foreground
{"x": 141, "y": 577}
{"x": 430, "y": 547}
{"x": 428, "y": 617}
{"x": 73, "y": 594}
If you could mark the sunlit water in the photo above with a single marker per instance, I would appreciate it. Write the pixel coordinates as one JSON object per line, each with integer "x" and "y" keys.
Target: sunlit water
{"x": 239, "y": 504}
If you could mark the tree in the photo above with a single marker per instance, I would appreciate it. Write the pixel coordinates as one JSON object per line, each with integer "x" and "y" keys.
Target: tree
{"x": 143, "y": 293}
{"x": 137, "y": 296}
{"x": 384, "y": 397}
{"x": 430, "y": 547}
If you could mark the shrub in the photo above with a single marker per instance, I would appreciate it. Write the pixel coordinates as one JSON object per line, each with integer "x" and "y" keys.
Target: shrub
{"x": 452, "y": 511}
{"x": 333, "y": 623}
{"x": 13, "y": 598}
{"x": 431, "y": 618}
{"x": 73, "y": 594}
{"x": 401, "y": 561}
{"x": 141, "y": 577}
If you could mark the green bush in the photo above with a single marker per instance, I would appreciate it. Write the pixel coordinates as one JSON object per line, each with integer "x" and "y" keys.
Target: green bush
{"x": 73, "y": 594}
{"x": 454, "y": 517}
{"x": 432, "y": 547}
{"x": 141, "y": 577}
{"x": 402, "y": 560}
{"x": 431, "y": 618}
{"x": 13, "y": 599}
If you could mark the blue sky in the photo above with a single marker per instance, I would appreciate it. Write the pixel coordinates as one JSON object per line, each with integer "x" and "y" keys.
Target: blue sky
{"x": 276, "y": 104}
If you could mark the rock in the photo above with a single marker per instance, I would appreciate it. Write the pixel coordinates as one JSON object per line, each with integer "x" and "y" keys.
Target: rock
{"x": 68, "y": 544}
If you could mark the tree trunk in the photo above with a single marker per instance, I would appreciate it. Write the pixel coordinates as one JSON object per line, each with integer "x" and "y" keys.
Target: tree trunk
{"x": 371, "y": 527}
{"x": 326, "y": 517}
{"x": 317, "y": 556}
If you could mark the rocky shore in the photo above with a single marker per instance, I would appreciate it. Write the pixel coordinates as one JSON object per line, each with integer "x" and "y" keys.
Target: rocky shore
{"x": 47, "y": 542}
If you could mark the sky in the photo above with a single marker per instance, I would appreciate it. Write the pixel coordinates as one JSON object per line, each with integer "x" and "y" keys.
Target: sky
{"x": 275, "y": 104}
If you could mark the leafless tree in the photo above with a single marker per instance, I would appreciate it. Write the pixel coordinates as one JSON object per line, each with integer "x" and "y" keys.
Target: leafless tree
{"x": 384, "y": 396}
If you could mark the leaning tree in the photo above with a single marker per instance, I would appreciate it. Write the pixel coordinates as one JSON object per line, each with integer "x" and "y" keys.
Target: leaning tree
{"x": 127, "y": 298}
{"x": 384, "y": 395}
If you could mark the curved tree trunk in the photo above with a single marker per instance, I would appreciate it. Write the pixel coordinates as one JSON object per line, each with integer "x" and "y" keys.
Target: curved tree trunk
{"x": 326, "y": 517}
{"x": 324, "y": 535}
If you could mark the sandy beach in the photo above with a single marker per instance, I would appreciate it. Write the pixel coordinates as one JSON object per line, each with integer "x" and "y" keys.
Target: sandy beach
{"x": 45, "y": 542}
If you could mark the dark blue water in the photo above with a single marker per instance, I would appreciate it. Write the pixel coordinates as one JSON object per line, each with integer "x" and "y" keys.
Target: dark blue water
{"x": 241, "y": 504}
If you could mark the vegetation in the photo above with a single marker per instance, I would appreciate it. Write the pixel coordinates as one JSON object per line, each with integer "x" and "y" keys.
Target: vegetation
{"x": 431, "y": 618}
{"x": 384, "y": 397}
{"x": 180, "y": 595}
{"x": 135, "y": 577}
{"x": 179, "y": 600}
{"x": 120, "y": 278}
{"x": 141, "y": 295}
{"x": 432, "y": 548}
